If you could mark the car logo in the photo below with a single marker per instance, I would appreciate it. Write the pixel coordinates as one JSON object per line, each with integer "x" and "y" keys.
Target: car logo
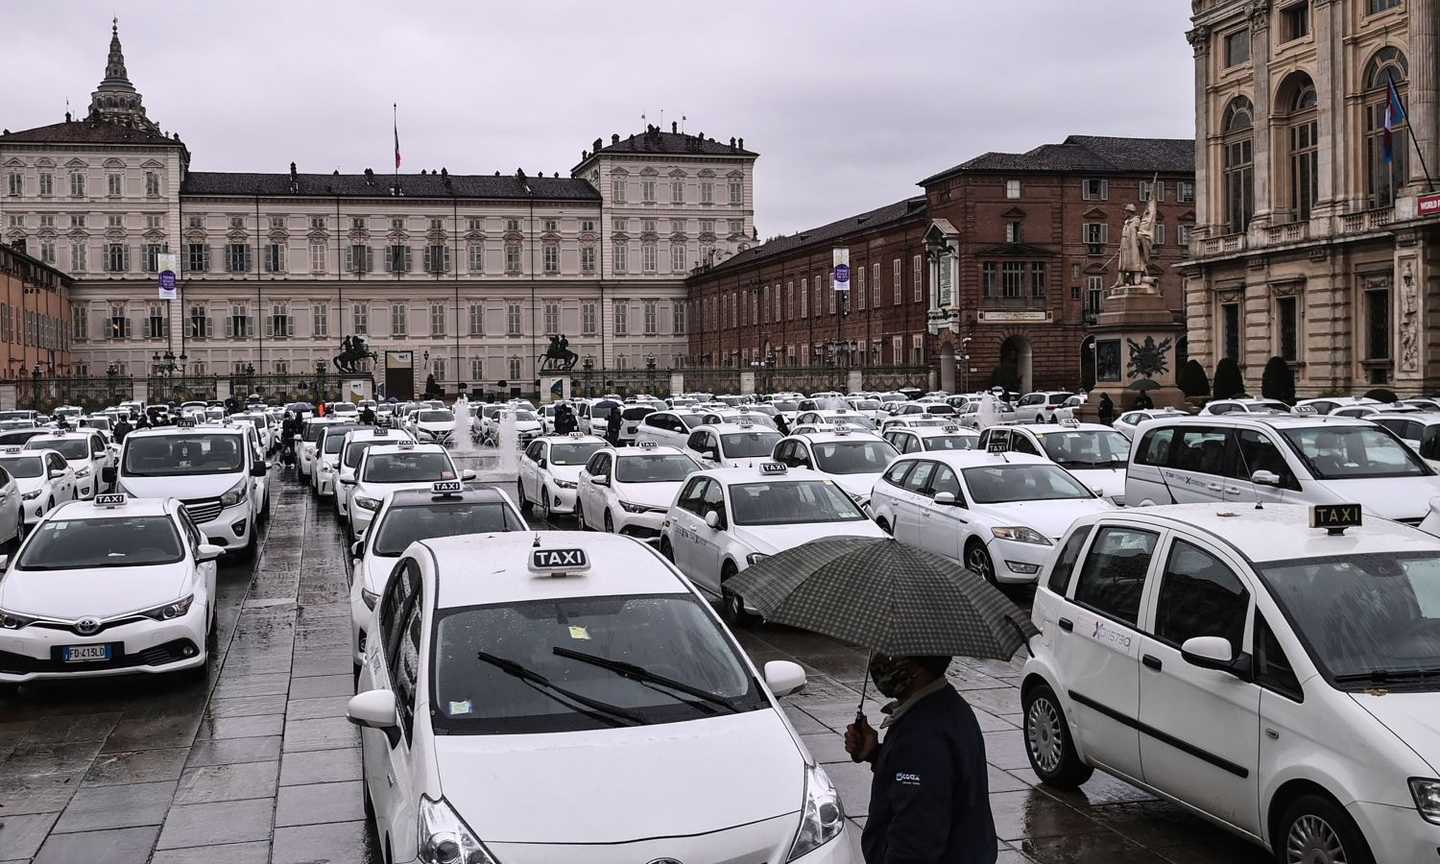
{"x": 87, "y": 626}
{"x": 664, "y": 861}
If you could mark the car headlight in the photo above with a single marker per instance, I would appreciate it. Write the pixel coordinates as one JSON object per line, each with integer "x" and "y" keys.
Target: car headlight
{"x": 235, "y": 494}
{"x": 445, "y": 838}
{"x": 822, "y": 817}
{"x": 1021, "y": 534}
{"x": 32, "y": 494}
{"x": 370, "y": 597}
{"x": 365, "y": 502}
{"x": 755, "y": 557}
{"x": 82, "y": 472}
{"x": 564, "y": 484}
{"x": 13, "y": 621}
{"x": 1427, "y": 798}
{"x": 633, "y": 508}
{"x": 170, "y": 610}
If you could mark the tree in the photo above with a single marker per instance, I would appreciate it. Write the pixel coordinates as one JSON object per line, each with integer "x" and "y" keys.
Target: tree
{"x": 1229, "y": 383}
{"x": 1278, "y": 382}
{"x": 1380, "y": 394}
{"x": 1192, "y": 379}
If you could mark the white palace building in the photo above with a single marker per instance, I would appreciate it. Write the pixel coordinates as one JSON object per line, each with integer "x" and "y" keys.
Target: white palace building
{"x": 469, "y": 273}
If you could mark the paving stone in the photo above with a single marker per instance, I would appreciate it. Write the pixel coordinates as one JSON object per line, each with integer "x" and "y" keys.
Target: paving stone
{"x": 230, "y": 853}
{"x": 252, "y": 685}
{"x": 45, "y": 793}
{"x": 245, "y": 706}
{"x": 79, "y": 727}
{"x": 320, "y": 766}
{"x": 205, "y": 784}
{"x": 323, "y": 685}
{"x": 326, "y": 733}
{"x": 222, "y": 751}
{"x": 126, "y": 806}
{"x": 216, "y": 823}
{"x": 251, "y": 726}
{"x": 137, "y": 766}
{"x": 310, "y": 709}
{"x": 319, "y": 802}
{"x": 64, "y": 758}
{"x": 154, "y": 728}
{"x": 21, "y": 836}
{"x": 333, "y": 843}
{"x": 120, "y": 846}
{"x": 1031, "y": 813}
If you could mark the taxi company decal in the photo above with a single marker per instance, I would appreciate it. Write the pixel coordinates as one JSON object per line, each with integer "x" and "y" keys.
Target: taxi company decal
{"x": 1114, "y": 637}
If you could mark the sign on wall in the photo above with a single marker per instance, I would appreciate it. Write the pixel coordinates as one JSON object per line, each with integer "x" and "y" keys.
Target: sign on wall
{"x": 840, "y": 274}
{"x": 168, "y": 263}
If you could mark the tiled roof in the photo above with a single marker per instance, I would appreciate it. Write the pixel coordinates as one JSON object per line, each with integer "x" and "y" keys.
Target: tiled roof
{"x": 669, "y": 143}
{"x": 504, "y": 186}
{"x": 87, "y": 132}
{"x": 881, "y": 216}
{"x": 1088, "y": 153}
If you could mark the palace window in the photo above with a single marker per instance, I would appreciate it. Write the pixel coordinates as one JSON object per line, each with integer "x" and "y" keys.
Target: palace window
{"x": 1094, "y": 189}
{"x": 477, "y": 258}
{"x": 399, "y": 320}
{"x": 1094, "y": 294}
{"x": 512, "y": 257}
{"x": 319, "y": 319}
{"x": 1287, "y": 315}
{"x": 1384, "y": 175}
{"x": 157, "y": 325}
{"x": 360, "y": 319}
{"x": 437, "y": 319}
{"x": 78, "y": 261}
{"x": 1037, "y": 281}
{"x": 317, "y": 257}
{"x": 1230, "y": 317}
{"x": 152, "y": 256}
{"x": 198, "y": 326}
{"x": 238, "y": 324}
{"x": 197, "y": 258}
{"x": 477, "y": 320}
{"x": 622, "y": 318}
{"x": 1013, "y": 232}
{"x": 707, "y": 192}
{"x": 115, "y": 185}
{"x": 587, "y": 319}
{"x": 1239, "y": 165}
{"x": 1295, "y": 21}
{"x": 618, "y": 256}
{"x": 550, "y": 257}
{"x": 647, "y": 257}
{"x": 15, "y": 184}
{"x": 1304, "y": 142}
{"x": 677, "y": 312}
{"x": 677, "y": 191}
{"x": 119, "y": 323}
{"x": 47, "y": 185}
{"x": 647, "y": 191}
{"x": 1373, "y": 7}
{"x": 1237, "y": 47}
{"x": 514, "y": 365}
{"x": 737, "y": 192}
{"x": 117, "y": 258}
{"x": 512, "y": 319}
{"x": 552, "y": 319}
{"x": 237, "y": 257}
{"x": 281, "y": 324}
{"x": 437, "y": 259}
{"x": 77, "y": 184}
{"x": 1012, "y": 189}
{"x": 80, "y": 323}
{"x": 477, "y": 369}
{"x": 587, "y": 258}
{"x": 397, "y": 259}
{"x": 617, "y": 190}
{"x": 275, "y": 258}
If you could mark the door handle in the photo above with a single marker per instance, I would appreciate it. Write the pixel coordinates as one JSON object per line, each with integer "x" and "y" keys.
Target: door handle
{"x": 1233, "y": 490}
{"x": 1152, "y": 662}
{"x": 1213, "y": 487}
{"x": 1066, "y": 624}
{"x": 389, "y": 780}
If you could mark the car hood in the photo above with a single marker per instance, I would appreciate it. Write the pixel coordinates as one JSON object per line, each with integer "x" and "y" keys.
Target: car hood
{"x": 855, "y": 484}
{"x": 436, "y": 425}
{"x": 101, "y": 592}
{"x": 565, "y": 472}
{"x": 564, "y": 788}
{"x": 1109, "y": 482}
{"x": 770, "y": 539}
{"x": 1050, "y": 518}
{"x": 753, "y": 462}
{"x": 1413, "y": 717}
{"x": 185, "y": 487}
{"x": 660, "y": 495}
{"x": 1395, "y": 498}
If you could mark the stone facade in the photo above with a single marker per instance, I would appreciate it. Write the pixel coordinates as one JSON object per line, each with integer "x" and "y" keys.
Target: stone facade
{"x": 470, "y": 273}
{"x": 1310, "y": 245}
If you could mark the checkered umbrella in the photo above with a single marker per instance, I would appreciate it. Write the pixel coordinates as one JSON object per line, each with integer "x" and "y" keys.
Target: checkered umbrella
{"x": 886, "y": 596}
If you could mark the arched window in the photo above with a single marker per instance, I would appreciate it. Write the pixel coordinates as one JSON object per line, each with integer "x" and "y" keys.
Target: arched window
{"x": 1386, "y": 154}
{"x": 1297, "y": 100}
{"x": 1239, "y": 165}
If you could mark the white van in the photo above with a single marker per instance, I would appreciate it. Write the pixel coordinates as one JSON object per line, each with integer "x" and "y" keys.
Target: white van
{"x": 216, "y": 471}
{"x": 1270, "y": 458}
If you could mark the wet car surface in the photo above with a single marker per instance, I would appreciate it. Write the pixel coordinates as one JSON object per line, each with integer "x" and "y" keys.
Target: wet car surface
{"x": 257, "y": 764}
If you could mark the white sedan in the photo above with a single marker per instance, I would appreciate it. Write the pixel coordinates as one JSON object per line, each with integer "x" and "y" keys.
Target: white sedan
{"x": 628, "y": 490}
{"x": 854, "y": 460}
{"x": 550, "y": 471}
{"x": 44, "y": 477}
{"x": 117, "y": 586}
{"x": 85, "y": 452}
{"x": 1093, "y": 452}
{"x": 392, "y": 467}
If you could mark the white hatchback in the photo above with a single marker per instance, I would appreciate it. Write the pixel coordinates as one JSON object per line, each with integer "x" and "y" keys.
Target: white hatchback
{"x": 628, "y": 490}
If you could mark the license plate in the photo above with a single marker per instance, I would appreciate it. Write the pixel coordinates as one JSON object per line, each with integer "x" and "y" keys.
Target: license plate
{"x": 86, "y": 653}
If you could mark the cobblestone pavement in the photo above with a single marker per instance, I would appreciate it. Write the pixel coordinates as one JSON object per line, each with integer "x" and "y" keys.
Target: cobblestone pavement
{"x": 257, "y": 765}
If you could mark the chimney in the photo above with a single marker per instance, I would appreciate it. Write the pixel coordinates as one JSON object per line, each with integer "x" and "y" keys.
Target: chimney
{"x": 596, "y": 148}
{"x": 614, "y": 138}
{"x": 732, "y": 142}
{"x": 674, "y": 127}
{"x": 742, "y": 143}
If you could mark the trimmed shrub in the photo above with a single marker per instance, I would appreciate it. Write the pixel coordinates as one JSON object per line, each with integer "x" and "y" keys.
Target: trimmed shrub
{"x": 1278, "y": 382}
{"x": 1192, "y": 379}
{"x": 1229, "y": 383}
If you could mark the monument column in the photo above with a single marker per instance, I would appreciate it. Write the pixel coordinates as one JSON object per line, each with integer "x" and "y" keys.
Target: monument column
{"x": 1422, "y": 95}
{"x": 1260, "y": 65}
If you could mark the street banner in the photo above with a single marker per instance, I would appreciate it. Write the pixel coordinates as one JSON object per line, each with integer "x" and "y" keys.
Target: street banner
{"x": 168, "y": 262}
{"x": 841, "y": 272}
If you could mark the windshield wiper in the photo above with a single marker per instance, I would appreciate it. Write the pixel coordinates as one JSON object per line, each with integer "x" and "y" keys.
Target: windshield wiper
{"x": 642, "y": 675}
{"x": 1383, "y": 676}
{"x": 612, "y": 714}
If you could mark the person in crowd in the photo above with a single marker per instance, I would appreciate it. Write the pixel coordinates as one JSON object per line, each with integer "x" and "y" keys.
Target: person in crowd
{"x": 289, "y": 428}
{"x": 565, "y": 421}
{"x": 1106, "y": 411}
{"x": 367, "y": 416}
{"x": 1143, "y": 401}
{"x": 612, "y": 426}
{"x": 930, "y": 789}
{"x": 122, "y": 428}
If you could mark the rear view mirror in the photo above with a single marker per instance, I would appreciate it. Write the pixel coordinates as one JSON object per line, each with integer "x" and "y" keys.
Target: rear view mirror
{"x": 357, "y": 549}
{"x": 945, "y": 498}
{"x": 208, "y": 552}
{"x": 467, "y": 474}
{"x": 712, "y": 519}
{"x": 259, "y": 469}
{"x": 374, "y": 709}
{"x": 784, "y": 677}
{"x": 600, "y": 480}
{"x": 1265, "y": 478}
{"x": 1213, "y": 652}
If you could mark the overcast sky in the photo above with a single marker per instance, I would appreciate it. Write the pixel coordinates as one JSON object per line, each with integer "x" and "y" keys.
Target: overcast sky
{"x": 848, "y": 103}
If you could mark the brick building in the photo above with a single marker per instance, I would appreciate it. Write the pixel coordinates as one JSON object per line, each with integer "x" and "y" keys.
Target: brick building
{"x": 34, "y": 315}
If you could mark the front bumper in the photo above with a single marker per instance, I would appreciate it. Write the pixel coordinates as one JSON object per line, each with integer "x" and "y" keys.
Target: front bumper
{"x": 359, "y": 618}
{"x": 231, "y": 529}
{"x": 560, "y": 500}
{"x": 642, "y": 525}
{"x": 1018, "y": 563}
{"x": 1394, "y": 833}
{"x": 147, "y": 646}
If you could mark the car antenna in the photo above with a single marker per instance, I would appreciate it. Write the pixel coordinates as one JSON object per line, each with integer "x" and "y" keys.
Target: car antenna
{"x": 1245, "y": 463}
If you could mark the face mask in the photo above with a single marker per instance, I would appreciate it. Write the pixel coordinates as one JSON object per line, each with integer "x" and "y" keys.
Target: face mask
{"x": 890, "y": 674}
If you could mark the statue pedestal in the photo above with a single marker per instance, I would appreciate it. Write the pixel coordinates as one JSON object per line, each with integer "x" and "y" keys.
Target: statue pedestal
{"x": 1135, "y": 341}
{"x": 554, "y": 388}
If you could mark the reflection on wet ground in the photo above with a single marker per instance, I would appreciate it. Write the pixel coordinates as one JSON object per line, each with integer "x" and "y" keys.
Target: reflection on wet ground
{"x": 256, "y": 764}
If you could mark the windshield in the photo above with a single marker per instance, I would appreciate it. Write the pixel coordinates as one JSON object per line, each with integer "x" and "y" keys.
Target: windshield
{"x": 526, "y": 417}
{"x": 751, "y": 417}
{"x": 1087, "y": 449}
{"x": 436, "y": 417}
{"x": 1336, "y": 452}
{"x": 664, "y": 468}
{"x": 791, "y": 502}
{"x": 997, "y": 484}
{"x": 939, "y": 409}
{"x": 335, "y": 440}
{"x": 601, "y": 410}
{"x": 70, "y": 448}
{"x": 408, "y": 468}
{"x": 748, "y": 445}
{"x": 1358, "y": 614}
{"x": 868, "y": 405}
{"x": 668, "y": 634}
{"x": 100, "y": 423}
{"x": 574, "y": 454}
{"x": 951, "y": 442}
{"x": 72, "y": 544}
{"x": 853, "y": 457}
{"x": 635, "y": 413}
{"x": 24, "y": 467}
{"x": 15, "y": 415}
{"x": 357, "y": 449}
{"x": 855, "y": 421}
{"x": 691, "y": 420}
{"x": 193, "y": 453}
{"x": 405, "y": 525}
{"x": 786, "y": 405}
{"x": 343, "y": 407}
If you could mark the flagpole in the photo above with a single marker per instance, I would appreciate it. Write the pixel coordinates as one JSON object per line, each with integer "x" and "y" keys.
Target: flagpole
{"x": 1410, "y": 133}
{"x": 395, "y": 125}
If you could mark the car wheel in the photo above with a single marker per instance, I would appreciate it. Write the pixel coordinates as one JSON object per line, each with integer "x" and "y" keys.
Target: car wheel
{"x": 524, "y": 505}
{"x": 666, "y": 550}
{"x": 545, "y": 504}
{"x": 977, "y": 559}
{"x": 1047, "y": 740}
{"x": 1315, "y": 830}
{"x": 580, "y": 516}
{"x": 609, "y": 523}
{"x": 732, "y": 605}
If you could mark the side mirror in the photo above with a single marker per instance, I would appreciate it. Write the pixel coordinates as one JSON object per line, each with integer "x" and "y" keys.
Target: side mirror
{"x": 1213, "y": 652}
{"x": 208, "y": 552}
{"x": 4, "y": 563}
{"x": 467, "y": 474}
{"x": 1265, "y": 478}
{"x": 541, "y": 462}
{"x": 357, "y": 549}
{"x": 712, "y": 519}
{"x": 945, "y": 498}
{"x": 259, "y": 469}
{"x": 784, "y": 677}
{"x": 713, "y": 454}
{"x": 600, "y": 480}
{"x": 374, "y": 709}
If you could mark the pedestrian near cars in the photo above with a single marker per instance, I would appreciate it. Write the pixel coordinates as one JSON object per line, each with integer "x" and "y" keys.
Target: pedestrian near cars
{"x": 929, "y": 791}
{"x": 1143, "y": 402}
{"x": 565, "y": 421}
{"x": 1106, "y": 411}
{"x": 122, "y": 428}
{"x": 780, "y": 425}
{"x": 612, "y": 426}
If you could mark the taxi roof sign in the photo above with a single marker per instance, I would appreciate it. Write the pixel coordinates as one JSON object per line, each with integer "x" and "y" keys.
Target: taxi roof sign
{"x": 558, "y": 562}
{"x": 997, "y": 444}
{"x": 11, "y": 450}
{"x": 773, "y": 468}
{"x": 380, "y": 432}
{"x": 951, "y": 427}
{"x": 447, "y": 487}
{"x": 646, "y": 444}
{"x": 111, "y": 500}
{"x": 1335, "y": 518}
{"x": 185, "y": 422}
{"x": 1069, "y": 421}
{"x": 405, "y": 445}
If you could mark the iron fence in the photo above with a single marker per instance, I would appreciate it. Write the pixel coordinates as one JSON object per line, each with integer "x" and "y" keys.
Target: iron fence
{"x": 45, "y": 394}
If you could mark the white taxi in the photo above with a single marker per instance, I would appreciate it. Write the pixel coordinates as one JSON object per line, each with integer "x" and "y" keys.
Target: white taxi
{"x": 628, "y": 490}
{"x": 724, "y": 520}
{"x": 391, "y": 467}
{"x": 948, "y": 436}
{"x": 445, "y": 509}
{"x": 1093, "y": 452}
{"x": 43, "y": 477}
{"x": 325, "y": 461}
{"x": 550, "y": 470}
{"x": 85, "y": 452}
{"x": 731, "y": 445}
{"x": 352, "y": 448}
{"x": 306, "y": 445}
{"x": 432, "y": 425}
{"x": 542, "y": 713}
{"x": 112, "y": 587}
{"x": 1127, "y": 423}
{"x": 854, "y": 460}
{"x": 1275, "y": 669}
{"x": 998, "y": 513}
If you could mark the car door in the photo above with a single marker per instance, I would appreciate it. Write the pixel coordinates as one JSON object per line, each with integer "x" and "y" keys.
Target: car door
{"x": 530, "y": 469}
{"x": 945, "y": 526}
{"x": 585, "y": 489}
{"x": 1200, "y": 728}
{"x": 685, "y": 524}
{"x": 1202, "y": 459}
{"x": 1256, "y": 452}
{"x": 710, "y": 542}
{"x": 65, "y": 483}
{"x": 403, "y": 666}
{"x": 698, "y": 446}
{"x": 379, "y": 755}
{"x": 1098, "y": 637}
{"x": 913, "y": 505}
{"x": 885, "y": 498}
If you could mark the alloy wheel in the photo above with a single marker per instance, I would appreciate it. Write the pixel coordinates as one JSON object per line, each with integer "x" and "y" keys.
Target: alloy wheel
{"x": 1312, "y": 840}
{"x": 1043, "y": 734}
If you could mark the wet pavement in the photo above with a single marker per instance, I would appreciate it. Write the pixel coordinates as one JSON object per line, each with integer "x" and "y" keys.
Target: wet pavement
{"x": 257, "y": 765}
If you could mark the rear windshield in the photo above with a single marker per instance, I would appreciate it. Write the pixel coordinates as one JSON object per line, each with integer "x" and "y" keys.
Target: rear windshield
{"x": 434, "y": 416}
{"x": 408, "y": 468}
{"x": 662, "y": 468}
{"x": 405, "y": 525}
{"x": 194, "y": 453}
{"x": 748, "y": 445}
{"x": 574, "y": 454}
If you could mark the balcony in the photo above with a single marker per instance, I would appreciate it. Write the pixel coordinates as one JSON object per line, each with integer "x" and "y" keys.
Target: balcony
{"x": 1366, "y": 220}
{"x": 1289, "y": 232}
{"x": 1220, "y": 244}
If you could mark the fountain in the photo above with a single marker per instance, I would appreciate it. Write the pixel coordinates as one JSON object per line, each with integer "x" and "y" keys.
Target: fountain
{"x": 499, "y": 464}
{"x": 461, "y": 442}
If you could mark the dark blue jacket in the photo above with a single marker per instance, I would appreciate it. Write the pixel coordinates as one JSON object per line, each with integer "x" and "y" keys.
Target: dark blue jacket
{"x": 930, "y": 796}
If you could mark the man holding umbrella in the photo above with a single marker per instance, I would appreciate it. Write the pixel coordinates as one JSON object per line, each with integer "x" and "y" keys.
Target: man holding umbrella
{"x": 930, "y": 794}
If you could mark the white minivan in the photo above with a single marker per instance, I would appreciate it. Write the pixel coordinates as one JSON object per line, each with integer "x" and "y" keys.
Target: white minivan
{"x": 1273, "y": 458}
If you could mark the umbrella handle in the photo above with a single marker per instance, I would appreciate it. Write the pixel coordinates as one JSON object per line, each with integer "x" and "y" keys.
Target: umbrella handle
{"x": 861, "y": 724}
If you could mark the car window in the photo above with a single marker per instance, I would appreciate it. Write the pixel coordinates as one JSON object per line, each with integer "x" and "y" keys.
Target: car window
{"x": 1258, "y": 453}
{"x": 1204, "y": 450}
{"x": 896, "y": 475}
{"x": 1022, "y": 444}
{"x": 696, "y": 442}
{"x": 1155, "y": 447}
{"x": 405, "y": 667}
{"x": 1065, "y": 562}
{"x": 1430, "y": 443}
{"x": 1113, "y": 576}
{"x": 692, "y": 496}
{"x": 946, "y": 481}
{"x": 1200, "y": 596}
{"x": 404, "y": 580}
{"x": 713, "y": 500}
{"x": 1272, "y": 668}
{"x": 920, "y": 477}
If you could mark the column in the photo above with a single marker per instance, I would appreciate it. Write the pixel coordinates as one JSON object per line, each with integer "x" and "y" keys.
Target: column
{"x": 1422, "y": 85}
{"x": 1260, "y": 64}
{"x": 1199, "y": 39}
{"x": 1330, "y": 112}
